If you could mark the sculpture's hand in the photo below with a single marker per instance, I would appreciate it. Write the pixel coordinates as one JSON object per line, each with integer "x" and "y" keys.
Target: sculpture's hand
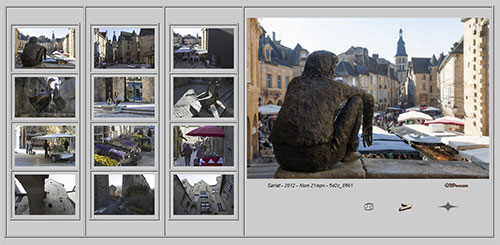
{"x": 367, "y": 136}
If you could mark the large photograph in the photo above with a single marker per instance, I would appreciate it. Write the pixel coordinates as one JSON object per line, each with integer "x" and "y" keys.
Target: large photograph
{"x": 44, "y": 146}
{"x": 45, "y": 96}
{"x": 124, "y": 194}
{"x": 45, "y": 48}
{"x": 203, "y": 97}
{"x": 203, "y": 48}
{"x": 203, "y": 146}
{"x": 124, "y": 47}
{"x": 122, "y": 97}
{"x": 47, "y": 194}
{"x": 376, "y": 98}
{"x": 124, "y": 145}
{"x": 203, "y": 194}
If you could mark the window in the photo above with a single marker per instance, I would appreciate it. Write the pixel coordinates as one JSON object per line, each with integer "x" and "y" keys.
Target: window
{"x": 423, "y": 97}
{"x": 203, "y": 194}
{"x": 268, "y": 55}
{"x": 269, "y": 80}
{"x": 279, "y": 81}
{"x": 423, "y": 77}
{"x": 430, "y": 88}
{"x": 423, "y": 86}
{"x": 286, "y": 81}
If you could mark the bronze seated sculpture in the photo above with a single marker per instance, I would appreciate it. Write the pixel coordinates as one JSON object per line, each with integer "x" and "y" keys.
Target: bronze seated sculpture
{"x": 313, "y": 131}
{"x": 33, "y": 54}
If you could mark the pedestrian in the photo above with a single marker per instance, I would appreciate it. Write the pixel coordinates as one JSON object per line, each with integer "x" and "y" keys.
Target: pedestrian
{"x": 46, "y": 148}
{"x": 66, "y": 145}
{"x": 26, "y": 145}
{"x": 187, "y": 151}
{"x": 30, "y": 145}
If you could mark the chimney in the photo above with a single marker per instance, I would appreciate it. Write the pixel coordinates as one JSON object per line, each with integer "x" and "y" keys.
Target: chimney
{"x": 375, "y": 56}
{"x": 274, "y": 36}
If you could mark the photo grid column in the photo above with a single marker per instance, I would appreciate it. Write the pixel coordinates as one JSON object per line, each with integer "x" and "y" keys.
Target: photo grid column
{"x": 203, "y": 122}
{"x": 124, "y": 123}
{"x": 44, "y": 123}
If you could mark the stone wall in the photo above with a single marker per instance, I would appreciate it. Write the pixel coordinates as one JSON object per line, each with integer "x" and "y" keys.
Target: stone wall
{"x": 476, "y": 78}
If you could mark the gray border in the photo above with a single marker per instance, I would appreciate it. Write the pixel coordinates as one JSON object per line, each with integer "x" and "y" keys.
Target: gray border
{"x": 237, "y": 4}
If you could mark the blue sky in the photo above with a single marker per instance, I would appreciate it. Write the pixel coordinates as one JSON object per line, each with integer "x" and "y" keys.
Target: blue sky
{"x": 210, "y": 179}
{"x": 38, "y": 31}
{"x": 117, "y": 179}
{"x": 423, "y": 36}
{"x": 118, "y": 30}
{"x": 185, "y": 31}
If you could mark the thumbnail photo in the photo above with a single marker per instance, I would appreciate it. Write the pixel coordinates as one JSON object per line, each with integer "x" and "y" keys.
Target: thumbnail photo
{"x": 393, "y": 104}
{"x": 124, "y": 97}
{"x": 203, "y": 194}
{"x": 124, "y": 47}
{"x": 48, "y": 194}
{"x": 203, "y": 48}
{"x": 203, "y": 97}
{"x": 203, "y": 146}
{"x": 45, "y": 97}
{"x": 45, "y": 48}
{"x": 124, "y": 194}
{"x": 124, "y": 145}
{"x": 44, "y": 146}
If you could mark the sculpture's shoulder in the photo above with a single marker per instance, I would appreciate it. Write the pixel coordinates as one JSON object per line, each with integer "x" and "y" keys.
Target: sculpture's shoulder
{"x": 308, "y": 113}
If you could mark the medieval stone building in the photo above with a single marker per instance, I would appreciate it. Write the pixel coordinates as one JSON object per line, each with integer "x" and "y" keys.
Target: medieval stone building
{"x": 451, "y": 80}
{"x": 476, "y": 76}
{"x": 129, "y": 89}
{"x": 202, "y": 198}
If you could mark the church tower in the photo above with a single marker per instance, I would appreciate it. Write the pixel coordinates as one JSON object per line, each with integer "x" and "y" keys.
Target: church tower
{"x": 401, "y": 59}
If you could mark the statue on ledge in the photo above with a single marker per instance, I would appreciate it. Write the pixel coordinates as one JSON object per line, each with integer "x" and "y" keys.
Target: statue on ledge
{"x": 318, "y": 124}
{"x": 33, "y": 54}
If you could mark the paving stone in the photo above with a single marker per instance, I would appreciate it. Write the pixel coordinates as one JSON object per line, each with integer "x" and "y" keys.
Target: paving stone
{"x": 343, "y": 170}
{"x": 411, "y": 169}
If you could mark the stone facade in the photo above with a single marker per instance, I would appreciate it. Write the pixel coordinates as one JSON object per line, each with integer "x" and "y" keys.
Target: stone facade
{"x": 122, "y": 87}
{"x": 371, "y": 73}
{"x": 69, "y": 43}
{"x": 476, "y": 76}
{"x": 182, "y": 202}
{"x": 451, "y": 80}
{"x": 421, "y": 84}
{"x": 253, "y": 87}
{"x": 130, "y": 180}
{"x": 220, "y": 44}
{"x": 215, "y": 199}
{"x": 147, "y": 46}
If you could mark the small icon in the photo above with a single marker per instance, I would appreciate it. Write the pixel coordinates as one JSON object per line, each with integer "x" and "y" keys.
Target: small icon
{"x": 369, "y": 206}
{"x": 405, "y": 206}
{"x": 448, "y": 206}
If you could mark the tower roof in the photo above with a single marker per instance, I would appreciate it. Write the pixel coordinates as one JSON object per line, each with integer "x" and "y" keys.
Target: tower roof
{"x": 401, "y": 51}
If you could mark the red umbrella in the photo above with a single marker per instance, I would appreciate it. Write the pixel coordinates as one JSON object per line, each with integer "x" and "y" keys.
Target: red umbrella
{"x": 207, "y": 131}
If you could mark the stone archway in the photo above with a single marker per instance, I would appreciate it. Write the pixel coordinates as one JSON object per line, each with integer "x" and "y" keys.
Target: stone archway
{"x": 255, "y": 137}
{"x": 279, "y": 103}
{"x": 270, "y": 102}
{"x": 249, "y": 143}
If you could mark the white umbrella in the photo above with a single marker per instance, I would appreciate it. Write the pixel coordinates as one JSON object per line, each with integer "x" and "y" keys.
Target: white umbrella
{"x": 413, "y": 109}
{"x": 413, "y": 115}
{"x": 269, "y": 109}
{"x": 55, "y": 136}
{"x": 430, "y": 108}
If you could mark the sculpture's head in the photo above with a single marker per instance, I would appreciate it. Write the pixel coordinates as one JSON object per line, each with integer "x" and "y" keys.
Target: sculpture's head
{"x": 321, "y": 63}
{"x": 33, "y": 39}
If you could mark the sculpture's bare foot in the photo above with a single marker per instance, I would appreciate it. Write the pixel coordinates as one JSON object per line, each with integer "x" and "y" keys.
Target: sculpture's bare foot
{"x": 351, "y": 156}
